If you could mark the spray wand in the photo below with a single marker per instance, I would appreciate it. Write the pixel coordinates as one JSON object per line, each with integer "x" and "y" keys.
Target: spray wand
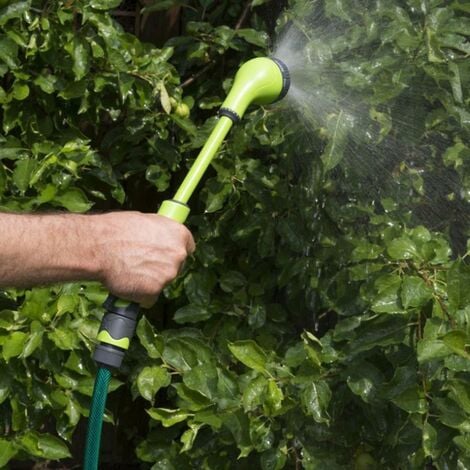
{"x": 259, "y": 81}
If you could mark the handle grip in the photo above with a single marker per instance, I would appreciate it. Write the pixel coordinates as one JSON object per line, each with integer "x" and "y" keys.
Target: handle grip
{"x": 120, "y": 320}
{"x": 116, "y": 331}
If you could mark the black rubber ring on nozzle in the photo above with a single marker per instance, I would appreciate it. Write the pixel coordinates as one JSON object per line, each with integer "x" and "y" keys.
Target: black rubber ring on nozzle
{"x": 285, "y": 77}
{"x": 230, "y": 114}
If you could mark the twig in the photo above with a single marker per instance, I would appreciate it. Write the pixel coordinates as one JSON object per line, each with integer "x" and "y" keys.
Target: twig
{"x": 197, "y": 75}
{"x": 239, "y": 24}
{"x": 243, "y": 16}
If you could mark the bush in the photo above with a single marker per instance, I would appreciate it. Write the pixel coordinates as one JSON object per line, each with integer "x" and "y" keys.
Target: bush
{"x": 324, "y": 319}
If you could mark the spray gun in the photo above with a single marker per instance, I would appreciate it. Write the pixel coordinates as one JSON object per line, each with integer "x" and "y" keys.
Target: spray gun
{"x": 259, "y": 81}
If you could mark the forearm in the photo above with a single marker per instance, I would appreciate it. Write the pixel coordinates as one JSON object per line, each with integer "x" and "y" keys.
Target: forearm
{"x": 42, "y": 249}
{"x": 133, "y": 254}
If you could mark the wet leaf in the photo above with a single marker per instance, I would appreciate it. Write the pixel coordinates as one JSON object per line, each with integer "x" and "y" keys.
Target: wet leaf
{"x": 250, "y": 354}
{"x": 150, "y": 380}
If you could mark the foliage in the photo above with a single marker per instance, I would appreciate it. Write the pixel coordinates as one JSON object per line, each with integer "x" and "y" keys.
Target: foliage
{"x": 324, "y": 319}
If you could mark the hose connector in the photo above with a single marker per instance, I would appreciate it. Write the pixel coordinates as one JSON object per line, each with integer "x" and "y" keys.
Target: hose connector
{"x": 116, "y": 331}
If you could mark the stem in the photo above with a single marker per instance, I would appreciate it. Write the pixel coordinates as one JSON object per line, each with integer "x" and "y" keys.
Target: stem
{"x": 243, "y": 16}
{"x": 197, "y": 75}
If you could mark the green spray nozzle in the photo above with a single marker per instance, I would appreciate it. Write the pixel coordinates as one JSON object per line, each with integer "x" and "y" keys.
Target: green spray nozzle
{"x": 259, "y": 81}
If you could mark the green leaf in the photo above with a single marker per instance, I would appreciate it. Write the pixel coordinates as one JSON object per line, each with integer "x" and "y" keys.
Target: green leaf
{"x": 458, "y": 280}
{"x": 64, "y": 338}
{"x": 74, "y": 200}
{"x": 20, "y": 91}
{"x": 339, "y": 127}
{"x": 250, "y": 354}
{"x": 315, "y": 399}
{"x": 273, "y": 398}
{"x": 387, "y": 299}
{"x": 152, "y": 342}
{"x": 364, "y": 380}
{"x": 13, "y": 10}
{"x": 14, "y": 344}
{"x": 34, "y": 340}
{"x": 411, "y": 400}
{"x": 164, "y": 98}
{"x": 231, "y": 281}
{"x": 381, "y": 331}
{"x": 7, "y": 451}
{"x": 458, "y": 342}
{"x": 67, "y": 303}
{"x": 238, "y": 424}
{"x": 8, "y": 50}
{"x": 22, "y": 173}
{"x": 203, "y": 379}
{"x": 402, "y": 248}
{"x": 74, "y": 90}
{"x": 429, "y": 349}
{"x": 189, "y": 436}
{"x": 185, "y": 352}
{"x": 217, "y": 196}
{"x": 254, "y": 393}
{"x": 191, "y": 314}
{"x": 450, "y": 414}
{"x": 366, "y": 251}
{"x": 258, "y": 38}
{"x": 80, "y": 58}
{"x": 44, "y": 446}
{"x": 460, "y": 393}
{"x": 46, "y": 83}
{"x": 151, "y": 379}
{"x": 429, "y": 440}
{"x": 168, "y": 417}
{"x": 273, "y": 459}
{"x": 415, "y": 292}
{"x": 190, "y": 400}
{"x": 5, "y": 386}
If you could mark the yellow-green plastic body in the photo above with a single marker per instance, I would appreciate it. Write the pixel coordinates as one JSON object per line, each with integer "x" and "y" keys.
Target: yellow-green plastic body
{"x": 258, "y": 81}
{"x": 105, "y": 337}
{"x": 174, "y": 210}
{"x": 203, "y": 160}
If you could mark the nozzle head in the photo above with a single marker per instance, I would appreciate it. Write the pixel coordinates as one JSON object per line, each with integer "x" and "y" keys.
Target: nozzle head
{"x": 259, "y": 81}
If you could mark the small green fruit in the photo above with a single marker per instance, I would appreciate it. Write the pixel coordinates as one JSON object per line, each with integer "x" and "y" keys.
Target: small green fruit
{"x": 365, "y": 461}
{"x": 182, "y": 110}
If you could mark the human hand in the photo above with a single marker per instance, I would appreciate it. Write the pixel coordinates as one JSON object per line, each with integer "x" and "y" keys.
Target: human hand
{"x": 140, "y": 253}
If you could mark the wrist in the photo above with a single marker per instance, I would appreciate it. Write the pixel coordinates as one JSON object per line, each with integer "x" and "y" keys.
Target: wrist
{"x": 95, "y": 232}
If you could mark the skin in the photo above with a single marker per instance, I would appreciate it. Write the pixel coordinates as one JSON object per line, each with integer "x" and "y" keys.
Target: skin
{"x": 134, "y": 255}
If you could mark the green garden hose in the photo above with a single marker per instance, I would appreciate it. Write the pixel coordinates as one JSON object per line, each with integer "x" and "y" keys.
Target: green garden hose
{"x": 95, "y": 420}
{"x": 260, "y": 81}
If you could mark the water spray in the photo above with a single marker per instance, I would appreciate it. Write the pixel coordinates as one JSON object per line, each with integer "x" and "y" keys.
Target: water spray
{"x": 259, "y": 81}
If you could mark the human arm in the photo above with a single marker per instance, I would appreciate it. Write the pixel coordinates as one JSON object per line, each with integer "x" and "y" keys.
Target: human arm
{"x": 133, "y": 254}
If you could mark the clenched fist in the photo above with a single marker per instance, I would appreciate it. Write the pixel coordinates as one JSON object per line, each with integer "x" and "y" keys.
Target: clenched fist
{"x": 140, "y": 254}
{"x": 133, "y": 254}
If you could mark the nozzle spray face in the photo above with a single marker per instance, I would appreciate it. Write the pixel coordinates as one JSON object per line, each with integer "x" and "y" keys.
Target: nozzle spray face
{"x": 260, "y": 81}
{"x": 285, "y": 78}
